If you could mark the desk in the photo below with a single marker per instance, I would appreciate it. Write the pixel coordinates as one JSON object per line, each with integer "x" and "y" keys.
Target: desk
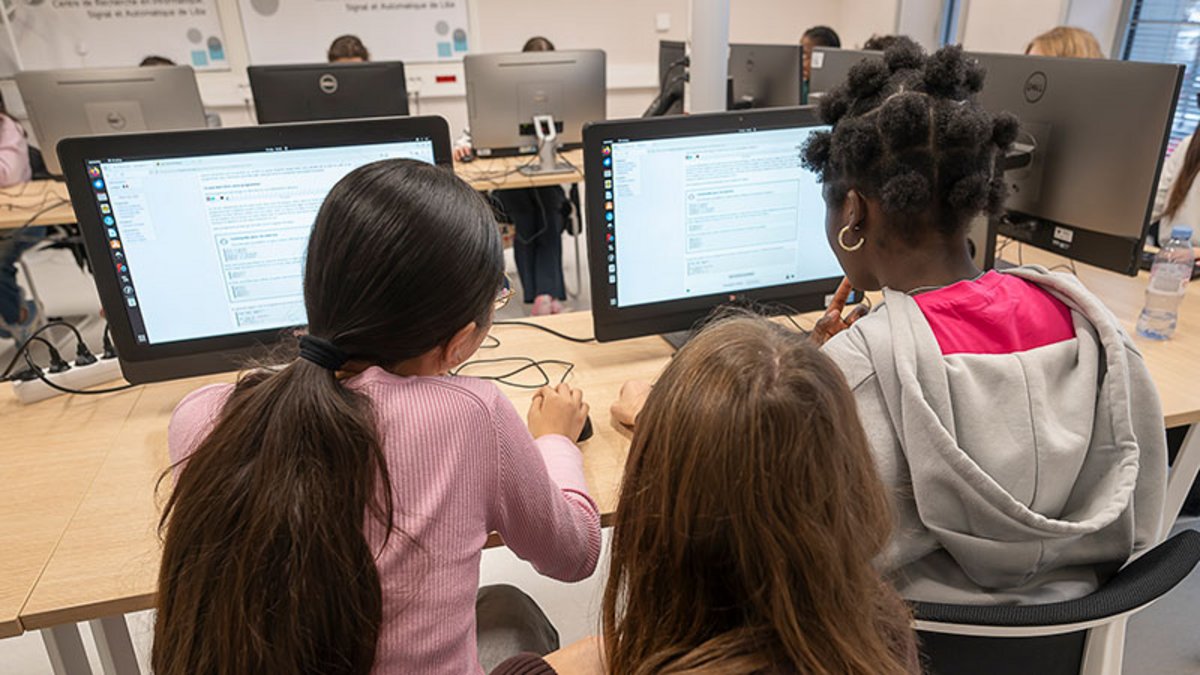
{"x": 97, "y": 555}
{"x": 46, "y": 202}
{"x": 41, "y": 202}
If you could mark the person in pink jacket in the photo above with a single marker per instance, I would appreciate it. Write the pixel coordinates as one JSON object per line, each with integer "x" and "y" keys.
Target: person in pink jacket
{"x": 18, "y": 316}
{"x": 329, "y": 513}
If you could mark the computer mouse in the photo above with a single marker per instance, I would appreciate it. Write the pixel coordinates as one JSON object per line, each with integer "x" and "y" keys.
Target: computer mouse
{"x": 587, "y": 430}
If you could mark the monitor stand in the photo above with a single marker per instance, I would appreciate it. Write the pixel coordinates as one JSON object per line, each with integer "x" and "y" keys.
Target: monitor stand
{"x": 547, "y": 164}
{"x": 677, "y": 339}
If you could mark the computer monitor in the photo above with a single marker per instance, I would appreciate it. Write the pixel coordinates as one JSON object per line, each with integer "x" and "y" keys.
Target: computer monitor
{"x": 1097, "y": 132}
{"x": 89, "y": 101}
{"x": 672, "y": 76}
{"x": 765, "y": 76}
{"x": 692, "y": 212}
{"x": 197, "y": 238}
{"x": 831, "y": 66}
{"x": 328, "y": 91}
{"x": 534, "y": 102}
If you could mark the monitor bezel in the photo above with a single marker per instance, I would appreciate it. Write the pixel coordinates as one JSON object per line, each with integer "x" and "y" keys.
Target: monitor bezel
{"x": 618, "y": 323}
{"x": 262, "y": 104}
{"x": 185, "y": 358}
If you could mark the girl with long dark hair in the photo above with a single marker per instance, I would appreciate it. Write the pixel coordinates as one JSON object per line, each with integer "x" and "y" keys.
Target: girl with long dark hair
{"x": 329, "y": 513}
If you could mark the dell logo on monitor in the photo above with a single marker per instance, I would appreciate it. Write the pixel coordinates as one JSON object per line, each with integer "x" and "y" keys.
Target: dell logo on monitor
{"x": 1035, "y": 87}
{"x": 116, "y": 120}
{"x": 328, "y": 83}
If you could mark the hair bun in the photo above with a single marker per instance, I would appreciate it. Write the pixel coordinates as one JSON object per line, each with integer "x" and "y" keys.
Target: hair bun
{"x": 1005, "y": 129}
{"x": 857, "y": 142}
{"x": 962, "y": 127}
{"x": 904, "y": 54}
{"x": 969, "y": 193}
{"x": 867, "y": 78}
{"x": 815, "y": 156}
{"x": 907, "y": 192}
{"x": 946, "y": 73}
{"x": 904, "y": 120}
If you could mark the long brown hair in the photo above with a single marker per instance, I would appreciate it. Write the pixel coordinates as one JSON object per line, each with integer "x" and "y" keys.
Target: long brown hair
{"x": 749, "y": 517}
{"x": 266, "y": 567}
{"x": 1183, "y": 181}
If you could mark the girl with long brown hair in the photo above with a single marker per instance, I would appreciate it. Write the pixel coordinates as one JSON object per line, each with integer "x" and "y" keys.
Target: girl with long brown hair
{"x": 1177, "y": 203}
{"x": 749, "y": 517}
{"x": 328, "y": 514}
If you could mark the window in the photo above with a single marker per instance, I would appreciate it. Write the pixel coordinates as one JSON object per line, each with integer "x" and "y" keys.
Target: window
{"x": 950, "y": 25}
{"x": 1168, "y": 31}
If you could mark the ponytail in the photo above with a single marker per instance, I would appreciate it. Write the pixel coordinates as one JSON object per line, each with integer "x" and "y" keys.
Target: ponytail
{"x": 265, "y": 566}
{"x": 266, "y": 562}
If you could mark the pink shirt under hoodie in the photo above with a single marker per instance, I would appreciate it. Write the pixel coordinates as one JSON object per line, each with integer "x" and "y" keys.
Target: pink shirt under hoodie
{"x": 462, "y": 464}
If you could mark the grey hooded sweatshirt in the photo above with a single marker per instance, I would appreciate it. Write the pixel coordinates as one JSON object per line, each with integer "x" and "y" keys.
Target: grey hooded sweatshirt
{"x": 1027, "y": 477}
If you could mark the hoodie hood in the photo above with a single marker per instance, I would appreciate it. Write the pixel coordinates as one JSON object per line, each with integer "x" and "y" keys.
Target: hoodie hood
{"x": 1019, "y": 462}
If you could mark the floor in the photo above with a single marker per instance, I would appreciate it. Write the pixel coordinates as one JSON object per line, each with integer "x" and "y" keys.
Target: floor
{"x": 1161, "y": 640}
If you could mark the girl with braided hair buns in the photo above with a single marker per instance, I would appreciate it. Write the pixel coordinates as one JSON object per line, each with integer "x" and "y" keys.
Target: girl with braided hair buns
{"x": 1009, "y": 413}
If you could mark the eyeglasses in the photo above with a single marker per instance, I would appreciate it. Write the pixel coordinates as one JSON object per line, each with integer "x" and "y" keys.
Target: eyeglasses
{"x": 504, "y": 294}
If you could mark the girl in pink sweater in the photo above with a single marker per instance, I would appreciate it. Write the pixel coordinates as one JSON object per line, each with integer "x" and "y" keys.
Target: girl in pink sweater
{"x": 329, "y": 514}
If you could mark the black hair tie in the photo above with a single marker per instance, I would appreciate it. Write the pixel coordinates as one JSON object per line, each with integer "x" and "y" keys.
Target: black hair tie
{"x": 322, "y": 352}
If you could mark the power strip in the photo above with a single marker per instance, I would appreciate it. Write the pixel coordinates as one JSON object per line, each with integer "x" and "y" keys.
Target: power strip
{"x": 78, "y": 377}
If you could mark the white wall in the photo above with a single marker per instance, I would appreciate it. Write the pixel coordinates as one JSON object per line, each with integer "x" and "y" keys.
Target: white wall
{"x": 627, "y": 31}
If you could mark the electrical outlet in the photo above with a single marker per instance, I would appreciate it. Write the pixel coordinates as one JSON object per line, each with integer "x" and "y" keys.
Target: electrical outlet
{"x": 662, "y": 22}
{"x": 78, "y": 377}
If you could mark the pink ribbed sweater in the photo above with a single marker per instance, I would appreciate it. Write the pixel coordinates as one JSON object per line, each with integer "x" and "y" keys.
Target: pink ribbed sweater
{"x": 462, "y": 464}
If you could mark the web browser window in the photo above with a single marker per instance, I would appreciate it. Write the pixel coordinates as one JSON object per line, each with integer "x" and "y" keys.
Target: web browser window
{"x": 214, "y": 245}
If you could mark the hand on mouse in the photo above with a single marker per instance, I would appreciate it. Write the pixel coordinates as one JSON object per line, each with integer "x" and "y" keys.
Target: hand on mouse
{"x": 557, "y": 410}
{"x": 833, "y": 322}
{"x": 632, "y": 400}
{"x": 462, "y": 152}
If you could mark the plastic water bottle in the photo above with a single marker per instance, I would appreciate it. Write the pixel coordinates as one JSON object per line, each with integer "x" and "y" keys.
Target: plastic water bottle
{"x": 1168, "y": 282}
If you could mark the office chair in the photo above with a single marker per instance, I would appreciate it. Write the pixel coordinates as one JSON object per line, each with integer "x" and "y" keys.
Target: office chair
{"x": 1076, "y": 637}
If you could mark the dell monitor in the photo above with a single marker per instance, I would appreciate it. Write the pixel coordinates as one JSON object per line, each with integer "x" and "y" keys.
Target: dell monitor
{"x": 830, "y": 66}
{"x": 328, "y": 91}
{"x": 1097, "y": 132}
{"x": 534, "y": 102}
{"x": 87, "y": 101}
{"x": 197, "y": 238}
{"x": 765, "y": 76}
{"x": 672, "y": 78}
{"x": 692, "y": 212}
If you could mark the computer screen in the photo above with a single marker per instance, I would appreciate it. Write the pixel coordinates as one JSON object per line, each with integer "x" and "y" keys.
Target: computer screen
{"x": 702, "y": 210}
{"x": 206, "y": 244}
{"x": 88, "y": 101}
{"x": 765, "y": 76}
{"x": 506, "y": 91}
{"x": 328, "y": 91}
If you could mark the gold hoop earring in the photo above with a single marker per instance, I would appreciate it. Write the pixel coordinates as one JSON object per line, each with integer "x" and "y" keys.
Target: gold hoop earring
{"x": 842, "y": 241}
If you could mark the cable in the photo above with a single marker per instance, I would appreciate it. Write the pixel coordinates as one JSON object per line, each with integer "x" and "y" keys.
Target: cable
{"x": 83, "y": 392}
{"x": 495, "y": 344}
{"x": 538, "y": 326}
{"x": 24, "y": 346}
{"x": 527, "y": 364}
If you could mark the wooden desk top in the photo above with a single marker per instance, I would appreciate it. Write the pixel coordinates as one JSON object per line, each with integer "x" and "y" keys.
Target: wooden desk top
{"x": 46, "y": 202}
{"x": 82, "y": 510}
{"x": 41, "y": 202}
{"x": 504, "y": 173}
{"x": 106, "y": 561}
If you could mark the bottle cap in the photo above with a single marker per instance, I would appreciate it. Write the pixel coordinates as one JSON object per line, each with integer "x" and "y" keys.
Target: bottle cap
{"x": 1181, "y": 232}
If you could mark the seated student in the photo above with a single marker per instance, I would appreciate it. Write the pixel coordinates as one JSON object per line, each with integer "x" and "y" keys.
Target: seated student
{"x": 348, "y": 49}
{"x": 19, "y": 317}
{"x": 817, "y": 36}
{"x": 329, "y": 513}
{"x": 1176, "y": 203}
{"x": 749, "y": 517}
{"x": 538, "y": 215}
{"x": 1010, "y": 414}
{"x": 1066, "y": 41}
